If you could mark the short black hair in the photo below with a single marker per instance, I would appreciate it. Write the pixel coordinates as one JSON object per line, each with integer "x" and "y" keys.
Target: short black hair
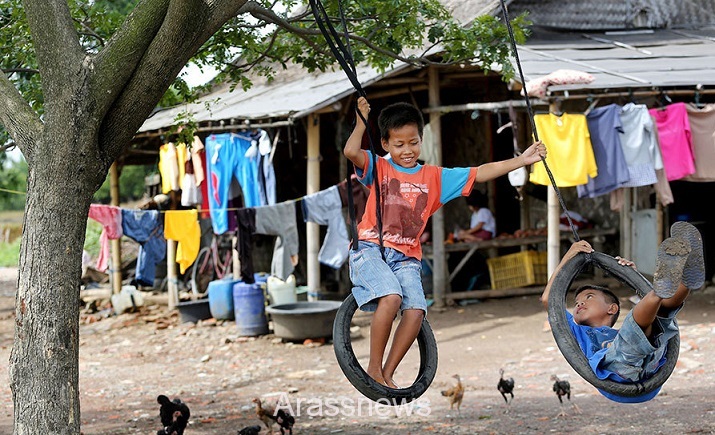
{"x": 610, "y": 297}
{"x": 477, "y": 199}
{"x": 398, "y": 115}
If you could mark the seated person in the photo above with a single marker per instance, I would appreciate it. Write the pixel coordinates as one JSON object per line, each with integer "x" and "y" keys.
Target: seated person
{"x": 637, "y": 350}
{"x": 482, "y": 225}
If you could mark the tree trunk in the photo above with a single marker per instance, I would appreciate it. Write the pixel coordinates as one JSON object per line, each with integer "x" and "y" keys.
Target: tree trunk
{"x": 44, "y": 363}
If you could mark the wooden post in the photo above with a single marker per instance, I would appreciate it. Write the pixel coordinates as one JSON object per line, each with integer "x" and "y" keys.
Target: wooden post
{"x": 439, "y": 269}
{"x": 172, "y": 283}
{"x": 553, "y": 208}
{"x": 115, "y": 245}
{"x": 312, "y": 186}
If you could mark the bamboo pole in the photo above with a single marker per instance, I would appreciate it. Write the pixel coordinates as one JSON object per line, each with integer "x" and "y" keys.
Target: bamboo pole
{"x": 439, "y": 269}
{"x": 115, "y": 245}
{"x": 312, "y": 186}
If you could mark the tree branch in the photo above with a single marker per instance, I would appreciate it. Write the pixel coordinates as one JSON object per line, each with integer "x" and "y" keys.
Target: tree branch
{"x": 56, "y": 44}
{"x": 268, "y": 15}
{"x": 18, "y": 118}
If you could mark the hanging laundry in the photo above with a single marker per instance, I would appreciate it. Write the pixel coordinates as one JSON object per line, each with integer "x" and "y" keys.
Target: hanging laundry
{"x": 604, "y": 125}
{"x": 190, "y": 191}
{"x": 702, "y": 125}
{"x": 662, "y": 186}
{"x": 325, "y": 208}
{"x": 266, "y": 172}
{"x": 144, "y": 227}
{"x": 171, "y": 166}
{"x": 110, "y": 217}
{"x": 571, "y": 159}
{"x": 280, "y": 220}
{"x": 226, "y": 160}
{"x": 183, "y": 227}
{"x": 639, "y": 142}
{"x": 197, "y": 150}
{"x": 246, "y": 218}
{"x": 675, "y": 140}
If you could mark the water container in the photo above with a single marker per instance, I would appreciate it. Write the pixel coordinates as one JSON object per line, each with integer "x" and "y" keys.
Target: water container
{"x": 250, "y": 309}
{"x": 282, "y": 292}
{"x": 221, "y": 298}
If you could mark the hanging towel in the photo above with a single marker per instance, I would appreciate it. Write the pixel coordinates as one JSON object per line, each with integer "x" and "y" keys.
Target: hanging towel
{"x": 675, "y": 140}
{"x": 325, "y": 208}
{"x": 111, "y": 219}
{"x": 571, "y": 158}
{"x": 144, "y": 227}
{"x": 279, "y": 220}
{"x": 604, "y": 126}
{"x": 183, "y": 226}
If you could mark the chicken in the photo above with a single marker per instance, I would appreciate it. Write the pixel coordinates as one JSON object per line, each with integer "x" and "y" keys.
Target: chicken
{"x": 455, "y": 394}
{"x": 505, "y": 386}
{"x": 174, "y": 416}
{"x": 563, "y": 388}
{"x": 285, "y": 421}
{"x": 250, "y": 430}
{"x": 266, "y": 414}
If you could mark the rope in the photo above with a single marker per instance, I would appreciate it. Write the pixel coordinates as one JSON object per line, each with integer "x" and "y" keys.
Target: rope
{"x": 343, "y": 54}
{"x": 530, "y": 111}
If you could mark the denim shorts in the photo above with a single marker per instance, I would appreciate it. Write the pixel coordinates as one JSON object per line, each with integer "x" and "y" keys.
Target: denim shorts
{"x": 631, "y": 355}
{"x": 397, "y": 274}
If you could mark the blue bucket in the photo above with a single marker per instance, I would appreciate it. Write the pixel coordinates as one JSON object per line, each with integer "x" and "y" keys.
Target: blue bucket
{"x": 221, "y": 298}
{"x": 250, "y": 309}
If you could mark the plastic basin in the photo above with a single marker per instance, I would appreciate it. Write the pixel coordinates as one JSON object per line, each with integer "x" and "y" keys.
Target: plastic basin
{"x": 301, "y": 320}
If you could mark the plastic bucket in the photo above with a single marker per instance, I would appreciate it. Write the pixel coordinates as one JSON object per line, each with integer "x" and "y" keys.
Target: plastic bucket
{"x": 249, "y": 309}
{"x": 282, "y": 292}
{"x": 302, "y": 320}
{"x": 221, "y": 298}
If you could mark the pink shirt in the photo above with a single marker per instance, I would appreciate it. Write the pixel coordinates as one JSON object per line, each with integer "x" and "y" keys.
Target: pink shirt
{"x": 675, "y": 140}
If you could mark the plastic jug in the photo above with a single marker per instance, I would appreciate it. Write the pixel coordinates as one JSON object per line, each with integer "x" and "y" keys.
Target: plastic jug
{"x": 282, "y": 292}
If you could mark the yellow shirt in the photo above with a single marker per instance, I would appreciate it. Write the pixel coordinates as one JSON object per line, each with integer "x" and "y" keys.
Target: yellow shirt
{"x": 570, "y": 153}
{"x": 183, "y": 226}
{"x": 171, "y": 166}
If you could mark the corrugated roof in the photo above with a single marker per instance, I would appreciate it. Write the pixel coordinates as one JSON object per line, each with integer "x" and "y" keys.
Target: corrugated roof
{"x": 660, "y": 58}
{"x": 290, "y": 95}
{"x": 617, "y": 14}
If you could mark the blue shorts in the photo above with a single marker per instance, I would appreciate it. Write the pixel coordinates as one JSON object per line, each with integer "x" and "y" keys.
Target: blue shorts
{"x": 373, "y": 277}
{"x": 631, "y": 355}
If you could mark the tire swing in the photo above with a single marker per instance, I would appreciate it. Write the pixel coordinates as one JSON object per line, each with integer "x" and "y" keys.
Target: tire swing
{"x": 342, "y": 344}
{"x": 568, "y": 345}
{"x": 564, "y": 278}
{"x": 363, "y": 382}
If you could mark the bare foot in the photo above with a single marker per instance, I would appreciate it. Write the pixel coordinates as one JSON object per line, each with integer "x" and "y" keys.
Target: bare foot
{"x": 390, "y": 383}
{"x": 377, "y": 376}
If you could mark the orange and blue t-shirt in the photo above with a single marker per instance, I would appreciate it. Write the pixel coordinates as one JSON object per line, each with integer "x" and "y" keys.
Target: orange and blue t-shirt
{"x": 409, "y": 197}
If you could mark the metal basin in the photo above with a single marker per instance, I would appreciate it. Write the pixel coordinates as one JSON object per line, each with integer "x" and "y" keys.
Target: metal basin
{"x": 301, "y": 320}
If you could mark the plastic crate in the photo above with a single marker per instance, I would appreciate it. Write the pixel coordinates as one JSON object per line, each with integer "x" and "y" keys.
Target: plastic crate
{"x": 517, "y": 270}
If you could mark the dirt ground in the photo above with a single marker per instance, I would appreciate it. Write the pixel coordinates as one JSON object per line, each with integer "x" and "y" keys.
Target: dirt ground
{"x": 127, "y": 360}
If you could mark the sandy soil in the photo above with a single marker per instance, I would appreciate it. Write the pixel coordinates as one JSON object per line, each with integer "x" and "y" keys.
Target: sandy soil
{"x": 127, "y": 360}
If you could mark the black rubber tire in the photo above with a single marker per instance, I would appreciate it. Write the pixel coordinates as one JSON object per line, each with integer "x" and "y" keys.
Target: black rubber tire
{"x": 361, "y": 380}
{"x": 566, "y": 341}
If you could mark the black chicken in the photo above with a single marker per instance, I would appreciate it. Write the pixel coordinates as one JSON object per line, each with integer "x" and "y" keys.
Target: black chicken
{"x": 285, "y": 421}
{"x": 250, "y": 430}
{"x": 174, "y": 416}
{"x": 505, "y": 386}
{"x": 562, "y": 388}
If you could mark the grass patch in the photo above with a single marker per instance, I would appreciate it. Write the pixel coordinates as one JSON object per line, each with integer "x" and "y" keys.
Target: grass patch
{"x": 10, "y": 251}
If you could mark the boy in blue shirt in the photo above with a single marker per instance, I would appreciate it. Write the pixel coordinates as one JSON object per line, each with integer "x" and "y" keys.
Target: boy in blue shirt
{"x": 637, "y": 350}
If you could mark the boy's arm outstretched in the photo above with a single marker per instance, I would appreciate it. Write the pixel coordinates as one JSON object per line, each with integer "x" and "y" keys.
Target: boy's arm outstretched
{"x": 353, "y": 146}
{"x": 492, "y": 170}
{"x": 580, "y": 246}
